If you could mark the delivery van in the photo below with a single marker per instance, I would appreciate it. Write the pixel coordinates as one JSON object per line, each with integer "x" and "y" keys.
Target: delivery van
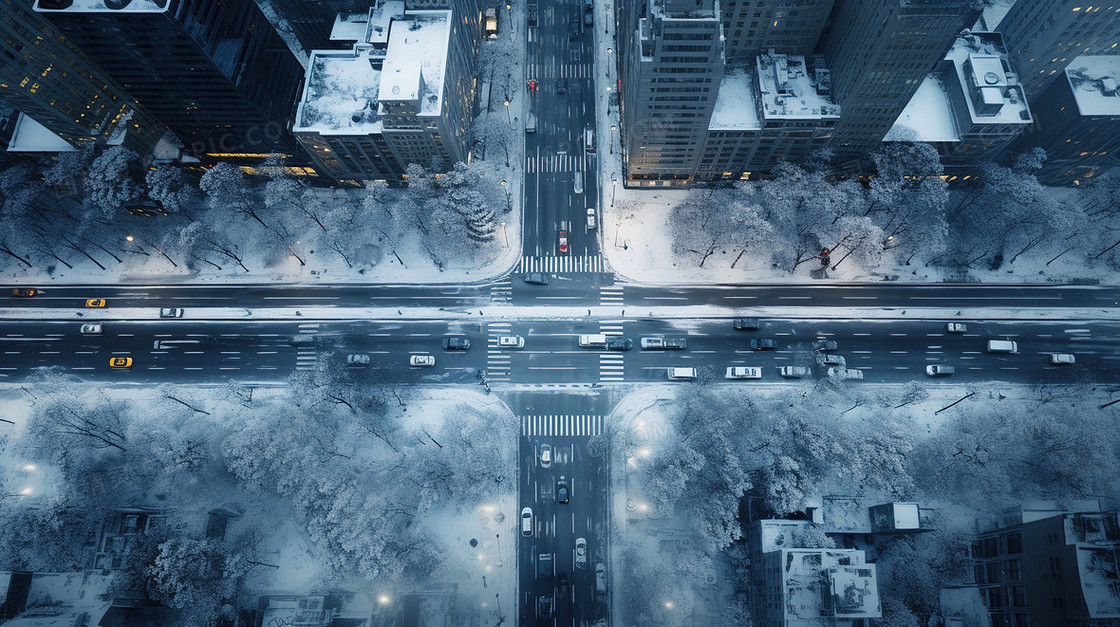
{"x": 593, "y": 341}
{"x": 1002, "y": 346}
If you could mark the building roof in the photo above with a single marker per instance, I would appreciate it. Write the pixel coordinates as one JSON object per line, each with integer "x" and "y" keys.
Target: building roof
{"x": 340, "y": 94}
{"x": 928, "y": 117}
{"x": 416, "y": 60}
{"x": 102, "y": 6}
{"x": 735, "y": 108}
{"x": 30, "y": 136}
{"x": 379, "y": 19}
{"x": 349, "y": 27}
{"x": 790, "y": 90}
{"x": 980, "y": 64}
{"x": 814, "y": 579}
{"x": 1093, "y": 80}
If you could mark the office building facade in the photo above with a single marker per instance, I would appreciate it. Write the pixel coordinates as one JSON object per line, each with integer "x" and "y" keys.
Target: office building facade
{"x": 216, "y": 73}
{"x": 751, "y": 27}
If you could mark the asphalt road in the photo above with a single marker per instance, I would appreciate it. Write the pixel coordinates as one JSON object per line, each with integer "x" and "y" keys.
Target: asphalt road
{"x": 888, "y": 351}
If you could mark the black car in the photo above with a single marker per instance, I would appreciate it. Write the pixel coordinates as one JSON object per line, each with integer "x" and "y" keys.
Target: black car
{"x": 620, "y": 344}
{"x": 562, "y": 491}
{"x": 763, "y": 345}
{"x": 544, "y": 606}
{"x": 746, "y": 324}
{"x": 564, "y": 584}
{"x": 456, "y": 343}
{"x": 536, "y": 278}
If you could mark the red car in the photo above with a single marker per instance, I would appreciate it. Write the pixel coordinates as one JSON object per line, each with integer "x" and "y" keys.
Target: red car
{"x": 563, "y": 241}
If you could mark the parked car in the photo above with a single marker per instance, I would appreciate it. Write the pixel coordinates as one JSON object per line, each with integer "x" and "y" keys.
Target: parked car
{"x": 536, "y": 278}
{"x": 456, "y": 343}
{"x": 357, "y": 359}
{"x": 546, "y": 456}
{"x": 425, "y": 361}
{"x": 619, "y": 343}
{"x": 581, "y": 552}
{"x": 939, "y": 370}
{"x": 743, "y": 372}
{"x": 91, "y": 328}
{"x": 746, "y": 324}
{"x": 95, "y": 302}
{"x": 24, "y": 292}
{"x": 600, "y": 578}
{"x": 170, "y": 312}
{"x": 562, "y": 491}
{"x": 956, "y": 327}
{"x": 527, "y": 521}
{"x": 825, "y": 345}
{"x": 763, "y": 344}
{"x": 845, "y": 374}
{"x": 1062, "y": 359}
{"x": 511, "y": 341}
{"x": 120, "y": 362}
{"x": 664, "y": 343}
{"x": 794, "y": 372}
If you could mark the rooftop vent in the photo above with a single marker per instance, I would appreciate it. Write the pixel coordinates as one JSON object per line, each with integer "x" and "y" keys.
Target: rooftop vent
{"x": 991, "y": 78}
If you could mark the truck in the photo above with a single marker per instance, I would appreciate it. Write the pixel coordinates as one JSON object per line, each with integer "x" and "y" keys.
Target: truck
{"x": 594, "y": 340}
{"x": 491, "y": 23}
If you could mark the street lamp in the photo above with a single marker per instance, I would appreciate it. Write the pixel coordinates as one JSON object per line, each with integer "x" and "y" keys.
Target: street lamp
{"x": 614, "y": 181}
{"x": 509, "y": 203}
{"x": 507, "y": 114}
{"x": 612, "y": 138}
{"x": 505, "y": 239}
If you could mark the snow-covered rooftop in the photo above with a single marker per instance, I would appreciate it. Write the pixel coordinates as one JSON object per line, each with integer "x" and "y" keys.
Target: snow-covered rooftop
{"x": 102, "y": 6}
{"x": 349, "y": 27}
{"x": 980, "y": 63}
{"x": 1093, "y": 80}
{"x": 928, "y": 117}
{"x": 809, "y": 576}
{"x": 30, "y": 136}
{"x": 379, "y": 19}
{"x": 792, "y": 91}
{"x": 415, "y": 61}
{"x": 735, "y": 106}
{"x": 340, "y": 94}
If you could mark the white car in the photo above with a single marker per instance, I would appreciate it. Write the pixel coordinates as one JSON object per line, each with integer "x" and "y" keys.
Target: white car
{"x": 956, "y": 327}
{"x": 527, "y": 521}
{"x": 939, "y": 370}
{"x": 1062, "y": 359}
{"x": 581, "y": 552}
{"x": 171, "y": 312}
{"x": 845, "y": 374}
{"x": 357, "y": 359}
{"x": 546, "y": 456}
{"x": 422, "y": 360}
{"x": 91, "y": 328}
{"x": 743, "y": 372}
{"x": 511, "y": 341}
{"x": 591, "y": 218}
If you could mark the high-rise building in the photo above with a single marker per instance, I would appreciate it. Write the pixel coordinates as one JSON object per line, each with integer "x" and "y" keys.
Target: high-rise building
{"x": 671, "y": 77}
{"x": 1045, "y": 36}
{"x": 1060, "y": 570}
{"x": 401, "y": 96}
{"x": 784, "y": 26}
{"x": 879, "y": 52}
{"x": 216, "y": 73}
{"x": 48, "y": 79}
{"x": 1077, "y": 121}
{"x": 310, "y": 21}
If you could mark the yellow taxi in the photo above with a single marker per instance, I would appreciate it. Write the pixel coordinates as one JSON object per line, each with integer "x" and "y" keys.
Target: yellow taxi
{"x": 120, "y": 362}
{"x": 95, "y": 302}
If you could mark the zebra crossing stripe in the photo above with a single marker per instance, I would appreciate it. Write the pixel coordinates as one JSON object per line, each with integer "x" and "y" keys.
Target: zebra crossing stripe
{"x": 561, "y": 425}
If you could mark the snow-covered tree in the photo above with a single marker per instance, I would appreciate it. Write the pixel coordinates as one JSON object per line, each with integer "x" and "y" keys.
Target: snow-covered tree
{"x": 229, "y": 190}
{"x": 170, "y": 186}
{"x": 109, "y": 185}
{"x": 198, "y": 577}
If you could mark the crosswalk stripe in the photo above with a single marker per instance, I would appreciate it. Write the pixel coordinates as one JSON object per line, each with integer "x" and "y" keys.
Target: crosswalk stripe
{"x": 562, "y": 264}
{"x": 561, "y": 425}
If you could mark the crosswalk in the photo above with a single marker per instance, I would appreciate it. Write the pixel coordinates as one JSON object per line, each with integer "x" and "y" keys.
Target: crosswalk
{"x": 497, "y": 360}
{"x": 610, "y": 295}
{"x": 562, "y": 424}
{"x": 612, "y": 366}
{"x": 558, "y": 163}
{"x": 541, "y": 71}
{"x": 502, "y": 292}
{"x": 560, "y": 264}
{"x": 307, "y": 357}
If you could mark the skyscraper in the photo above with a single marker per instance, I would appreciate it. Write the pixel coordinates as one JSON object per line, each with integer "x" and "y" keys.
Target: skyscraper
{"x": 216, "y": 73}
{"x": 47, "y": 78}
{"x": 672, "y": 73}
{"x": 784, "y": 26}
{"x": 879, "y": 52}
{"x": 1044, "y": 36}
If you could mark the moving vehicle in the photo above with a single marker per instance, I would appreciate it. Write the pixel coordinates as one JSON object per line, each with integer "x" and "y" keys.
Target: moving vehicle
{"x": 1002, "y": 346}
{"x": 24, "y": 292}
{"x": 563, "y": 241}
{"x": 577, "y": 183}
{"x": 527, "y": 521}
{"x": 620, "y": 344}
{"x": 562, "y": 491}
{"x": 511, "y": 341}
{"x": 794, "y": 372}
{"x": 170, "y": 312}
{"x": 595, "y": 340}
{"x": 665, "y": 343}
{"x": 587, "y": 19}
{"x": 938, "y": 370}
{"x": 746, "y": 324}
{"x": 833, "y": 360}
{"x": 825, "y": 345}
{"x": 743, "y": 372}
{"x": 591, "y": 218}
{"x": 544, "y": 565}
{"x": 581, "y": 552}
{"x": 531, "y": 122}
{"x": 536, "y": 278}
{"x": 456, "y": 343}
{"x": 600, "y": 578}
{"x": 682, "y": 374}
{"x": 95, "y": 302}
{"x": 763, "y": 345}
{"x": 91, "y": 328}
{"x": 491, "y": 23}
{"x": 532, "y": 15}
{"x": 563, "y": 579}
{"x": 546, "y": 456}
{"x": 956, "y": 327}
{"x": 357, "y": 359}
{"x": 120, "y": 362}
{"x": 589, "y": 138}
{"x": 845, "y": 374}
{"x": 544, "y": 606}
{"x": 301, "y": 339}
{"x": 1062, "y": 359}
{"x": 426, "y": 361}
